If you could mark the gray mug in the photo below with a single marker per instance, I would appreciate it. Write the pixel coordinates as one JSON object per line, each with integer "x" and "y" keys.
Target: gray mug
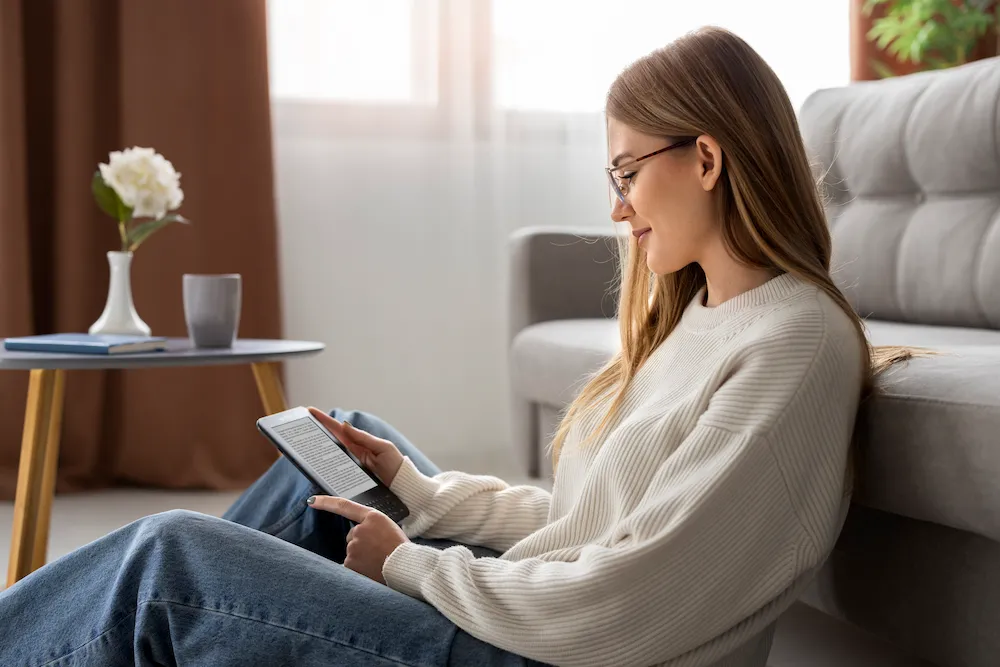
{"x": 212, "y": 308}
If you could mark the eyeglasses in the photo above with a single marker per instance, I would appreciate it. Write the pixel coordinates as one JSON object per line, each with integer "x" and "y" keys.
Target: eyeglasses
{"x": 620, "y": 184}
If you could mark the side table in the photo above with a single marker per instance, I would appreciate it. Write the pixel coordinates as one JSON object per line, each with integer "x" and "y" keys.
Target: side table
{"x": 36, "y": 473}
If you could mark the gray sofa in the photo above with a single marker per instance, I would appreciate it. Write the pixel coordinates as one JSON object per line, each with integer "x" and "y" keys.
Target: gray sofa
{"x": 911, "y": 169}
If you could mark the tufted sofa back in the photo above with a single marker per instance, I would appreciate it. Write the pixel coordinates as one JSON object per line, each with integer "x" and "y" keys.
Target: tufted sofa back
{"x": 911, "y": 169}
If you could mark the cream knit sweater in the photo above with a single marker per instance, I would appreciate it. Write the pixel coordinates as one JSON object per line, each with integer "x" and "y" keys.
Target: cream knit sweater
{"x": 682, "y": 534}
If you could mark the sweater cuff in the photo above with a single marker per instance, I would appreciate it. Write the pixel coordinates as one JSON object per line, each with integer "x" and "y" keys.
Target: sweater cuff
{"x": 408, "y": 565}
{"x": 413, "y": 487}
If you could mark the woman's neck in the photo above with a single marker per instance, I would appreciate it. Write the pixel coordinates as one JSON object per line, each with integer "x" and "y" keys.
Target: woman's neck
{"x": 725, "y": 283}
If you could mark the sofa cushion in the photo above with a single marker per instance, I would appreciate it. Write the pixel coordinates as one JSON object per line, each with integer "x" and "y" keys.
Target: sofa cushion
{"x": 925, "y": 335}
{"x": 930, "y": 435}
{"x": 550, "y": 361}
{"x": 911, "y": 171}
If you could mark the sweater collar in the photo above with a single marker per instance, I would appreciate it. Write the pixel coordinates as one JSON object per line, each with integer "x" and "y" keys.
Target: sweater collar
{"x": 698, "y": 317}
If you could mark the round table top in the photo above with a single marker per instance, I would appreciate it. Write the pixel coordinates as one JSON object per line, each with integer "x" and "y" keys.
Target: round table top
{"x": 179, "y": 352}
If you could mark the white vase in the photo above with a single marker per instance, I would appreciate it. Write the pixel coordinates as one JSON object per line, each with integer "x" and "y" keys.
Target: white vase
{"x": 119, "y": 316}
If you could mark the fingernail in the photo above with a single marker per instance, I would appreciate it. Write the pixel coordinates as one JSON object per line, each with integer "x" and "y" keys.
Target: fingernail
{"x": 348, "y": 424}
{"x": 311, "y": 500}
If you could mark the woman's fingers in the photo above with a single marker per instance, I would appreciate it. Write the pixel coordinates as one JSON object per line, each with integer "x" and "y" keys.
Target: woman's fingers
{"x": 365, "y": 439}
{"x": 334, "y": 426}
{"x": 354, "y": 438}
{"x": 361, "y": 450}
{"x": 348, "y": 509}
{"x": 323, "y": 418}
{"x": 361, "y": 453}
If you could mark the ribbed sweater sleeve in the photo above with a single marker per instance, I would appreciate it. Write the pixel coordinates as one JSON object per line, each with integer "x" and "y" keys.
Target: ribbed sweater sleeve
{"x": 474, "y": 509}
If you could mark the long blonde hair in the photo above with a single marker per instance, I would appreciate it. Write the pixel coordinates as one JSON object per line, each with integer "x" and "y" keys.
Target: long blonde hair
{"x": 712, "y": 82}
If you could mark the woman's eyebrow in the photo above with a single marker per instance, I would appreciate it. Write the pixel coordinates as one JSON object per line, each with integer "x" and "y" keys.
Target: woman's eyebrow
{"x": 618, "y": 158}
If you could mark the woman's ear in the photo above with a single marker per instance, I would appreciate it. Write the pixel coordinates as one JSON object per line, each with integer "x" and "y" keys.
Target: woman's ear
{"x": 709, "y": 161}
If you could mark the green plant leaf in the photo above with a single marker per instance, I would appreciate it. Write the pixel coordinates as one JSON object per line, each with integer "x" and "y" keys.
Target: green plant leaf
{"x": 870, "y": 5}
{"x": 883, "y": 33}
{"x": 938, "y": 63}
{"x": 938, "y": 33}
{"x": 107, "y": 199}
{"x": 949, "y": 12}
{"x": 980, "y": 22}
{"x": 144, "y": 230}
{"x": 883, "y": 70}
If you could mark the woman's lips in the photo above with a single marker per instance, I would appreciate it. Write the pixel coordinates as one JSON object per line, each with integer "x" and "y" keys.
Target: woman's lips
{"x": 639, "y": 233}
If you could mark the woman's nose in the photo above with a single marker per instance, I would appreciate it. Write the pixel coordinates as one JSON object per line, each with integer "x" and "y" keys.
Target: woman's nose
{"x": 621, "y": 211}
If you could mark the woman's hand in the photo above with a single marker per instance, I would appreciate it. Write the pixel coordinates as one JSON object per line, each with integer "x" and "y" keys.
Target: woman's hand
{"x": 380, "y": 456}
{"x": 371, "y": 541}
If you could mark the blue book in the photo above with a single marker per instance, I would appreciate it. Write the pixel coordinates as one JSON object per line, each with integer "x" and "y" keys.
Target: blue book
{"x": 76, "y": 343}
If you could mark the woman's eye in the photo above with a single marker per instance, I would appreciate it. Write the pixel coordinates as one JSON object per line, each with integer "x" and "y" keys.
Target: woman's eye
{"x": 628, "y": 177}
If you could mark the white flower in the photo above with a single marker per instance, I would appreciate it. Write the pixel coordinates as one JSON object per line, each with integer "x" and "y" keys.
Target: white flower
{"x": 144, "y": 180}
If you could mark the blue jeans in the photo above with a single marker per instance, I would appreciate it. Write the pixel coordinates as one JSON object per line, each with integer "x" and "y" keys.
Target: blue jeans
{"x": 256, "y": 587}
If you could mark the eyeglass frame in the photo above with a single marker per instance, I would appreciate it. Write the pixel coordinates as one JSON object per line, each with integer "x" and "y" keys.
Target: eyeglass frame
{"x": 618, "y": 190}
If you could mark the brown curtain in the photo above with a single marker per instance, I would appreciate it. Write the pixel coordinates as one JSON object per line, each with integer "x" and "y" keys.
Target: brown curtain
{"x": 80, "y": 78}
{"x": 864, "y": 52}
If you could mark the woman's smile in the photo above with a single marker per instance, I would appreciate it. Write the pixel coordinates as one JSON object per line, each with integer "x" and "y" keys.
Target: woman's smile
{"x": 641, "y": 234}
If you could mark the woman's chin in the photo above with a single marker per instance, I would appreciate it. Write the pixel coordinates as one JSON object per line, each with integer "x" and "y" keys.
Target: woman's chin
{"x": 660, "y": 267}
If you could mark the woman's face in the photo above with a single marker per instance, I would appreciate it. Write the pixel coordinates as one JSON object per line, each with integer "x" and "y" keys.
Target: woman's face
{"x": 668, "y": 199}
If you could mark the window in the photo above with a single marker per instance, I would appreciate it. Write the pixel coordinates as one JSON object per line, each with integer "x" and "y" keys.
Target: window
{"x": 557, "y": 55}
{"x": 412, "y": 67}
{"x": 370, "y": 52}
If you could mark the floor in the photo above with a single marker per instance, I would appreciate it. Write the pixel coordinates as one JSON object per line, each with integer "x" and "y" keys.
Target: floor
{"x": 83, "y": 517}
{"x": 805, "y": 638}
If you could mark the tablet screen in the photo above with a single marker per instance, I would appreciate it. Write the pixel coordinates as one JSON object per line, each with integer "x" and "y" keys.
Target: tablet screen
{"x": 325, "y": 457}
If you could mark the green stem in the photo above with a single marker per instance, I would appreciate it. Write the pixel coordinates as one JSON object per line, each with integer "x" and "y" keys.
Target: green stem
{"x": 123, "y": 232}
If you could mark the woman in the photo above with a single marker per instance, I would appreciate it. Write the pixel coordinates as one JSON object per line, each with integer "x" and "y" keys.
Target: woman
{"x": 702, "y": 476}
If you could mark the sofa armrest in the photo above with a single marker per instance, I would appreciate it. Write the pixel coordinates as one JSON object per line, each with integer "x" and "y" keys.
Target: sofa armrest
{"x": 555, "y": 274}
{"x": 560, "y": 273}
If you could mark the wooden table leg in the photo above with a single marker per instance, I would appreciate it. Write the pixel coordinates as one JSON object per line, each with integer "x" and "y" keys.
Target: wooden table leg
{"x": 51, "y": 465}
{"x": 269, "y": 387}
{"x": 39, "y": 417}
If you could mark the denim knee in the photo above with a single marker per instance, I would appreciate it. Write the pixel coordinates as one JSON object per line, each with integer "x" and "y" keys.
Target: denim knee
{"x": 173, "y": 519}
{"x": 172, "y": 523}
{"x": 180, "y": 529}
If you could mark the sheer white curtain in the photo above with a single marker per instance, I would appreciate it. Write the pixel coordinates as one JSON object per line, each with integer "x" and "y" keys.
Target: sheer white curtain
{"x": 412, "y": 136}
{"x": 551, "y": 55}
